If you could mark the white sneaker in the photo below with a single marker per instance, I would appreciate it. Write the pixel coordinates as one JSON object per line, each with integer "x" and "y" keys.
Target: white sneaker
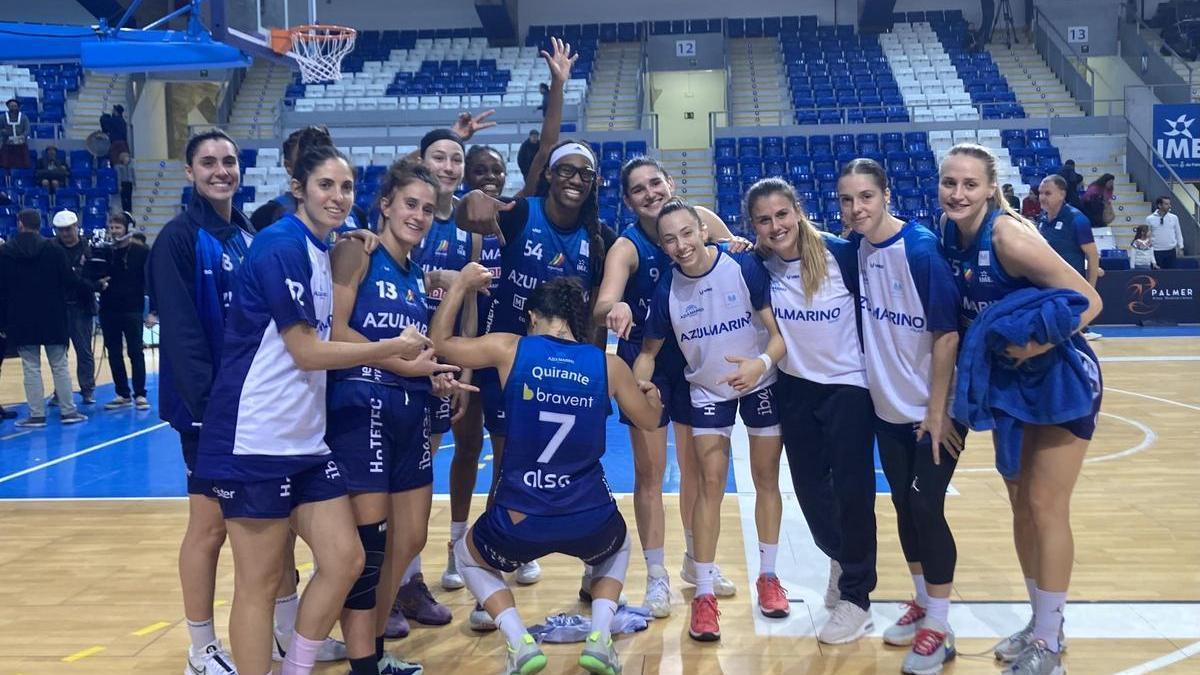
{"x": 331, "y": 650}
{"x": 658, "y": 592}
{"x": 212, "y": 659}
{"x": 722, "y": 587}
{"x": 1090, "y": 335}
{"x": 451, "y": 579}
{"x": 480, "y": 620}
{"x": 529, "y": 573}
{"x": 847, "y": 623}
{"x": 832, "y": 593}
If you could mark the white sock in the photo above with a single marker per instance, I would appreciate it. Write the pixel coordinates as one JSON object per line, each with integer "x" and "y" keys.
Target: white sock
{"x": 414, "y": 568}
{"x": 705, "y": 575}
{"x": 939, "y": 608}
{"x": 457, "y": 530}
{"x": 201, "y": 633}
{"x": 509, "y": 622}
{"x": 654, "y": 556}
{"x": 285, "y": 613}
{"x": 688, "y": 542}
{"x": 602, "y": 616}
{"x": 1048, "y": 617}
{"x": 922, "y": 592}
{"x": 766, "y": 558}
{"x": 1031, "y": 587}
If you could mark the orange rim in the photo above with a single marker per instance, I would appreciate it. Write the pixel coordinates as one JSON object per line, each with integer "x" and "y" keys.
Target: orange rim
{"x": 282, "y": 39}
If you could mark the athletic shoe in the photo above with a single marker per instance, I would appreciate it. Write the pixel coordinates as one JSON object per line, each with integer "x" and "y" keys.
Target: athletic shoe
{"x": 526, "y": 660}
{"x": 599, "y": 656}
{"x": 331, "y": 650}
{"x": 117, "y": 403}
{"x": 7, "y": 414}
{"x": 480, "y": 620}
{"x": 704, "y": 625}
{"x": 390, "y": 665}
{"x": 585, "y": 591}
{"x": 722, "y": 587}
{"x": 88, "y": 399}
{"x": 832, "y": 592}
{"x": 31, "y": 422}
{"x": 930, "y": 649}
{"x": 772, "y": 597}
{"x": 418, "y": 604}
{"x": 529, "y": 573}
{"x": 397, "y": 624}
{"x": 451, "y": 579}
{"x": 1091, "y": 335}
{"x": 1008, "y": 649}
{"x": 847, "y": 623}
{"x": 213, "y": 659}
{"x": 141, "y": 403}
{"x": 902, "y": 633}
{"x": 73, "y": 418}
{"x": 1036, "y": 659}
{"x": 658, "y": 592}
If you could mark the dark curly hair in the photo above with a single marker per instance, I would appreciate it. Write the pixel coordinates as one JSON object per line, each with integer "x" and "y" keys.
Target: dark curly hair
{"x": 563, "y": 298}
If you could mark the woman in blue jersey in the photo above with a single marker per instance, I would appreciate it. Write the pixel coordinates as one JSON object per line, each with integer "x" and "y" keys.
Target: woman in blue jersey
{"x": 632, "y": 269}
{"x": 378, "y": 426}
{"x": 909, "y": 333}
{"x": 263, "y": 444}
{"x": 823, "y": 397}
{"x": 995, "y": 252}
{"x": 552, "y": 495}
{"x": 716, "y": 306}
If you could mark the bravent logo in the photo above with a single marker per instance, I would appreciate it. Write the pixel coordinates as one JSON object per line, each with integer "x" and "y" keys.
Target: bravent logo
{"x": 1175, "y": 140}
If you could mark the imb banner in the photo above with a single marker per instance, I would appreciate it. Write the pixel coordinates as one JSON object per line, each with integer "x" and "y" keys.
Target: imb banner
{"x": 1177, "y": 139}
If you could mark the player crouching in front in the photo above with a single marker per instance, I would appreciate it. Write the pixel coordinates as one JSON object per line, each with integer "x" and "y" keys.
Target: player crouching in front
{"x": 552, "y": 496}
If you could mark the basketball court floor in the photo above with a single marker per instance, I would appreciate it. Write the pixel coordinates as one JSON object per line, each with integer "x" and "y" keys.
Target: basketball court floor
{"x": 92, "y": 515}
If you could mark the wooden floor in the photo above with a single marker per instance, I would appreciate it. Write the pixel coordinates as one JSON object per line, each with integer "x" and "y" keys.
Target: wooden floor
{"x": 91, "y": 587}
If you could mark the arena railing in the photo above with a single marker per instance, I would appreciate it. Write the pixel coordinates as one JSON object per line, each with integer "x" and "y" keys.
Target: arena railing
{"x": 1147, "y": 167}
{"x": 1069, "y": 65}
{"x": 1153, "y": 38}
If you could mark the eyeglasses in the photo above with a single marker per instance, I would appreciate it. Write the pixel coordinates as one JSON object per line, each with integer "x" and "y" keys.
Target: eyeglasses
{"x": 568, "y": 171}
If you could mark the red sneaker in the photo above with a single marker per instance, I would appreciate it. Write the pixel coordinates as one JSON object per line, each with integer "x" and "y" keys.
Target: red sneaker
{"x": 904, "y": 631}
{"x": 705, "y": 626}
{"x": 772, "y": 597}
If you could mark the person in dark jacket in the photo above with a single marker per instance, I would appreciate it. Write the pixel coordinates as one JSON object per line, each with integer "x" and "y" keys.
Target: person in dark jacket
{"x": 122, "y": 313}
{"x": 1074, "y": 180}
{"x": 115, "y": 126}
{"x": 527, "y": 152}
{"x": 81, "y": 305}
{"x": 34, "y": 282}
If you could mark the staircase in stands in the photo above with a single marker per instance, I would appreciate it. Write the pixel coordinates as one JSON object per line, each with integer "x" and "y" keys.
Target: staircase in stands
{"x": 612, "y": 99}
{"x": 156, "y": 193}
{"x": 757, "y": 83}
{"x": 692, "y": 171}
{"x": 97, "y": 95}
{"x": 1101, "y": 154}
{"x": 257, "y": 105}
{"x": 1038, "y": 89}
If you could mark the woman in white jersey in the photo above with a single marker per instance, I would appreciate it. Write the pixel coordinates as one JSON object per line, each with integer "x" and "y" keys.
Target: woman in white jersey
{"x": 909, "y": 307}
{"x": 632, "y": 269}
{"x": 823, "y": 398}
{"x": 262, "y": 442}
{"x": 716, "y": 305}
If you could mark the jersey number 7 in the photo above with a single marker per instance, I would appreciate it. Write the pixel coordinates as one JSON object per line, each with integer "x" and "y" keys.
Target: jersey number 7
{"x": 565, "y": 424}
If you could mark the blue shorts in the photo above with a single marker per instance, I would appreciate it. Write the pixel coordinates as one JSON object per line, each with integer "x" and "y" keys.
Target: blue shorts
{"x": 379, "y": 436}
{"x": 191, "y": 445}
{"x": 492, "y": 397}
{"x": 277, "y": 497}
{"x": 672, "y": 386}
{"x": 440, "y": 411}
{"x": 759, "y": 413}
{"x": 592, "y": 536}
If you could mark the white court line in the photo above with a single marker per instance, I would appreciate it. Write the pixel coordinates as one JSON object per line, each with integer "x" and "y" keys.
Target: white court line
{"x": 1189, "y": 406}
{"x": 1149, "y": 437}
{"x": 1139, "y": 359}
{"x": 1164, "y": 661}
{"x": 80, "y": 453}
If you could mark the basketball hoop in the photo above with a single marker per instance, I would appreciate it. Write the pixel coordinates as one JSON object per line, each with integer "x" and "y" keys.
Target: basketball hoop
{"x": 318, "y": 49}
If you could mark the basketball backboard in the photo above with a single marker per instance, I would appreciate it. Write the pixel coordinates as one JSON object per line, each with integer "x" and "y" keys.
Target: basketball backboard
{"x": 247, "y": 24}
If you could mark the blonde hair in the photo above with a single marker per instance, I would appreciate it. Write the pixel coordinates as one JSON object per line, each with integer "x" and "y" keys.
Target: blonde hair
{"x": 813, "y": 269}
{"x": 997, "y": 200}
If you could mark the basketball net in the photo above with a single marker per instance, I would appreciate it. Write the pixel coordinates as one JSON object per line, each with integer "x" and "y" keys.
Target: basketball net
{"x": 317, "y": 49}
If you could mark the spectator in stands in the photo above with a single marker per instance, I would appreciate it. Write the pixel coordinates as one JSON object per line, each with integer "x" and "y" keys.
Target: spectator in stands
{"x": 545, "y": 91}
{"x": 1165, "y": 236}
{"x": 1074, "y": 180}
{"x": 118, "y": 132}
{"x": 527, "y": 152}
{"x": 1031, "y": 208}
{"x": 126, "y": 179}
{"x": 1097, "y": 200}
{"x": 1069, "y": 233}
{"x": 1013, "y": 200}
{"x": 52, "y": 170}
{"x": 4, "y": 414}
{"x": 1141, "y": 249}
{"x": 14, "y": 137}
{"x": 81, "y": 304}
{"x": 35, "y": 280}
{"x": 122, "y": 312}
{"x": 973, "y": 39}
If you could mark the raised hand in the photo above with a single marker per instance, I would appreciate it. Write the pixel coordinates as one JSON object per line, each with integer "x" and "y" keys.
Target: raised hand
{"x": 559, "y": 60}
{"x": 467, "y": 124}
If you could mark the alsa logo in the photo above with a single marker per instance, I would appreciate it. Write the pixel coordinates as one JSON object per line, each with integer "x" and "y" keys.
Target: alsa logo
{"x": 717, "y": 329}
{"x": 545, "y": 481}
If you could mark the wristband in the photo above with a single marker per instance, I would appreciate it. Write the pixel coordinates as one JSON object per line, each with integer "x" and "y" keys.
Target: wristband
{"x": 766, "y": 359}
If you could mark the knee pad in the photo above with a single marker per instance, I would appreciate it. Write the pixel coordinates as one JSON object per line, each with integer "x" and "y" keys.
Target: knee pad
{"x": 614, "y": 566}
{"x": 374, "y": 543}
{"x": 483, "y": 582}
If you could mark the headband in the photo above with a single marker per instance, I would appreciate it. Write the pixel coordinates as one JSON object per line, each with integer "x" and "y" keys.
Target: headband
{"x": 439, "y": 135}
{"x": 572, "y": 149}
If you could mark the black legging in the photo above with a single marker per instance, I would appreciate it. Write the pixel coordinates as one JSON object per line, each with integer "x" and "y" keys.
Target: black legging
{"x": 919, "y": 495}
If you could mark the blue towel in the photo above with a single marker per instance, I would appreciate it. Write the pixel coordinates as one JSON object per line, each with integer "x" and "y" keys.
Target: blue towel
{"x": 1056, "y": 387}
{"x": 575, "y": 627}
